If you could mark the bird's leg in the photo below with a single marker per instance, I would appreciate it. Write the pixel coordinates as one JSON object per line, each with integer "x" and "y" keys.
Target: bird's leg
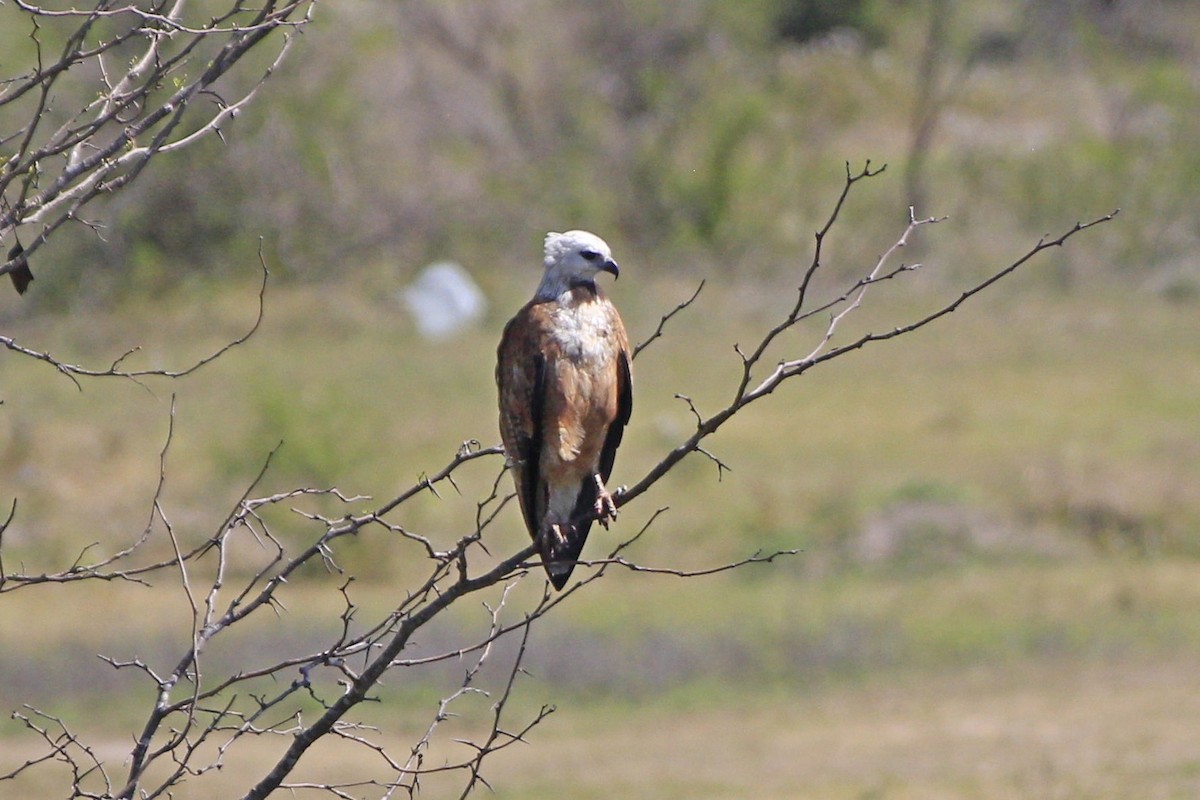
{"x": 605, "y": 508}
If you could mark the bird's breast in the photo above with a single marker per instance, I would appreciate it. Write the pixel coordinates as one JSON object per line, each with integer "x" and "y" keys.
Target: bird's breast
{"x": 584, "y": 333}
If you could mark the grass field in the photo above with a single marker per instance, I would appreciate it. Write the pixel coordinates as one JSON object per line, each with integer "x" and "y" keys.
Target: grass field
{"x": 1053, "y": 729}
{"x": 995, "y": 595}
{"x": 997, "y": 517}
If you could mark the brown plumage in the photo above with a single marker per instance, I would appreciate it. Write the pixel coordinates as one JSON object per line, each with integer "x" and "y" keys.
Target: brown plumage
{"x": 563, "y": 373}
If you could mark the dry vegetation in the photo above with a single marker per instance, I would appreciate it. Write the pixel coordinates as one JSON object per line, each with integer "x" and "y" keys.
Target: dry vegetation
{"x": 998, "y": 517}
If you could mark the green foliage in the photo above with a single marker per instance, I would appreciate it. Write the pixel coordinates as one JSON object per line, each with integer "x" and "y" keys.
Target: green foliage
{"x": 706, "y": 196}
{"x": 805, "y": 20}
{"x": 698, "y": 134}
{"x": 316, "y": 426}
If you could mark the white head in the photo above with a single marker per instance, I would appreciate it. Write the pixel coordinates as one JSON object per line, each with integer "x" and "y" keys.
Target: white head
{"x": 574, "y": 258}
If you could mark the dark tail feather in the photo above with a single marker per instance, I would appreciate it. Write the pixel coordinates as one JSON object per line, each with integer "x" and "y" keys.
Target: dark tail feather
{"x": 559, "y": 556}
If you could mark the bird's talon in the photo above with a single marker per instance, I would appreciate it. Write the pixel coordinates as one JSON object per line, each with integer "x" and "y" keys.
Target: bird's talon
{"x": 605, "y": 507}
{"x": 556, "y": 532}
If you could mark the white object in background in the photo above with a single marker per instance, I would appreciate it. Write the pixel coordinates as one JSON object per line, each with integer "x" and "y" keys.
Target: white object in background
{"x": 444, "y": 300}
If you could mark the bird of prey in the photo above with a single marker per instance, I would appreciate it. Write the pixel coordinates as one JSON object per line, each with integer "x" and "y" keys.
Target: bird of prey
{"x": 563, "y": 373}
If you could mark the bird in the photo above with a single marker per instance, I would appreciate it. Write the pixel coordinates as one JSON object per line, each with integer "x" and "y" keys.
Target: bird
{"x": 20, "y": 273}
{"x": 564, "y": 378}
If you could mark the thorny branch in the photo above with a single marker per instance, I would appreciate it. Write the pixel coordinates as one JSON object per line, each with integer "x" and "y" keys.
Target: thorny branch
{"x": 851, "y": 299}
{"x": 116, "y": 369}
{"x": 316, "y": 692}
{"x": 662, "y": 323}
{"x": 82, "y": 126}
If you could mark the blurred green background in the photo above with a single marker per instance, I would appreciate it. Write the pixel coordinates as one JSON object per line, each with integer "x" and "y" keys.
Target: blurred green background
{"x": 998, "y": 516}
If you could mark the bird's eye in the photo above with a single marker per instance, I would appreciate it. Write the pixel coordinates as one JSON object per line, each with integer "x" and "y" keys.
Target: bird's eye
{"x": 589, "y": 255}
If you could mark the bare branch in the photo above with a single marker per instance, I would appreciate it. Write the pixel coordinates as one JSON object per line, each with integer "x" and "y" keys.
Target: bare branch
{"x": 758, "y": 557}
{"x": 308, "y": 692}
{"x": 786, "y": 369}
{"x": 497, "y": 738}
{"x": 113, "y": 128}
{"x": 658, "y": 331}
{"x": 115, "y": 370}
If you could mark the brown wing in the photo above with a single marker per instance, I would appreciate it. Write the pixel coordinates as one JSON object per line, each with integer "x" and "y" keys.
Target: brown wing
{"x": 624, "y": 404}
{"x": 520, "y": 379}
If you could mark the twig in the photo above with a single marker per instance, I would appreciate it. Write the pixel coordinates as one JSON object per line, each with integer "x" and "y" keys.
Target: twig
{"x": 75, "y": 372}
{"x": 199, "y": 716}
{"x": 658, "y": 331}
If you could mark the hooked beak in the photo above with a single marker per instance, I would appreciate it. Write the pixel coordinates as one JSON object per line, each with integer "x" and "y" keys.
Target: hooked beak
{"x": 611, "y": 266}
